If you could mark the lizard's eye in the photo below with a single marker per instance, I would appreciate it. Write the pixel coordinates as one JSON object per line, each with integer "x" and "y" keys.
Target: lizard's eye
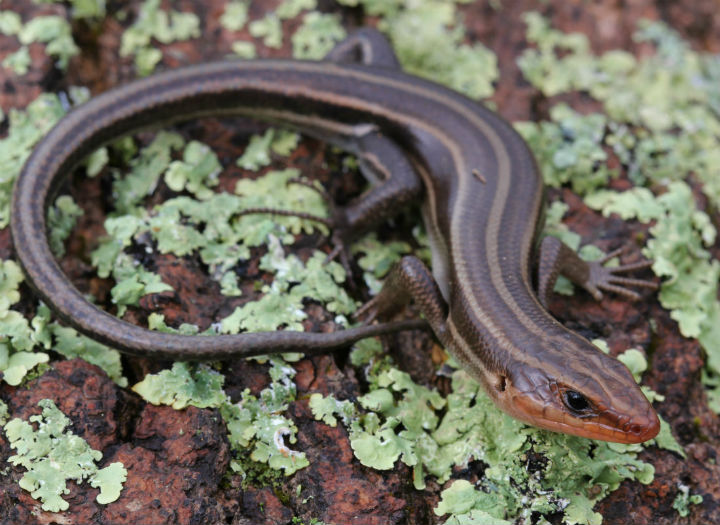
{"x": 575, "y": 401}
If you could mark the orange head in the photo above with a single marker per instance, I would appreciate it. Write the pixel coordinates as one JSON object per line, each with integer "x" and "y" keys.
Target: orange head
{"x": 576, "y": 389}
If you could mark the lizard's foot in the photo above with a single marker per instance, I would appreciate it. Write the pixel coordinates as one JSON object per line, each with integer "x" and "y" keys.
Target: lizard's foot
{"x": 611, "y": 279}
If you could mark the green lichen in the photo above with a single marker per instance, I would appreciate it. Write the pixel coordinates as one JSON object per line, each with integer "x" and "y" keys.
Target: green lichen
{"x": 10, "y": 278}
{"x": 559, "y": 62}
{"x": 325, "y": 408}
{"x": 15, "y": 366}
{"x": 377, "y": 258}
{"x": 260, "y": 421}
{"x": 293, "y": 283}
{"x": 19, "y": 61}
{"x": 275, "y": 190}
{"x": 244, "y": 50}
{"x": 317, "y": 35}
{"x": 183, "y": 385}
{"x": 18, "y": 337}
{"x": 429, "y": 41}
{"x": 312, "y": 40}
{"x": 93, "y": 9}
{"x": 53, "y": 455}
{"x": 53, "y": 31}
{"x": 235, "y": 15}
{"x": 661, "y": 112}
{"x": 10, "y": 23}
{"x": 684, "y": 499}
{"x": 144, "y": 171}
{"x": 291, "y": 8}
{"x": 196, "y": 173}
{"x": 269, "y": 29}
{"x": 26, "y": 128}
{"x": 61, "y": 220}
{"x": 211, "y": 224}
{"x": 157, "y": 322}
{"x": 258, "y": 152}
{"x": 69, "y": 343}
{"x": 154, "y": 23}
{"x": 110, "y": 482}
{"x": 464, "y": 504}
{"x": 132, "y": 282}
{"x": 4, "y": 413}
{"x": 234, "y": 19}
{"x": 569, "y": 149}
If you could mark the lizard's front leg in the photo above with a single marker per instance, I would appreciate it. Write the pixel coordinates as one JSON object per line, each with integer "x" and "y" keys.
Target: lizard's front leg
{"x": 556, "y": 258}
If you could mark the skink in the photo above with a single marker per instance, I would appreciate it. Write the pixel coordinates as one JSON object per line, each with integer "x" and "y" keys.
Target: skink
{"x": 482, "y": 202}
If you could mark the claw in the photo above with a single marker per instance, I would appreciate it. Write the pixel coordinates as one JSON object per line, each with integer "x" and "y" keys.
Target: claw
{"x": 286, "y": 213}
{"x": 341, "y": 251}
{"x": 333, "y": 254}
{"x": 626, "y": 281}
{"x": 609, "y": 279}
{"x": 640, "y": 265}
{"x": 615, "y": 253}
{"x": 621, "y": 291}
{"x": 367, "y": 312}
{"x": 593, "y": 290}
{"x": 321, "y": 191}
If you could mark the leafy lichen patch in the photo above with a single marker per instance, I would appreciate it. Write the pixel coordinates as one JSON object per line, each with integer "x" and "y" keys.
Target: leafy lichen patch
{"x": 52, "y": 455}
{"x": 293, "y": 283}
{"x": 684, "y": 499}
{"x": 26, "y": 128}
{"x": 155, "y": 23}
{"x": 18, "y": 336}
{"x": 53, "y": 31}
{"x": 69, "y": 343}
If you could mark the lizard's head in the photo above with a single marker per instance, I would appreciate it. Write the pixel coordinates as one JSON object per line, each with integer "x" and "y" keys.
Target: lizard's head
{"x": 586, "y": 393}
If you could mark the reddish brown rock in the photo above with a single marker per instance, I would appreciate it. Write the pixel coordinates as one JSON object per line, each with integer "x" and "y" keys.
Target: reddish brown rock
{"x": 263, "y": 507}
{"x": 99, "y": 409}
{"x": 335, "y": 487}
